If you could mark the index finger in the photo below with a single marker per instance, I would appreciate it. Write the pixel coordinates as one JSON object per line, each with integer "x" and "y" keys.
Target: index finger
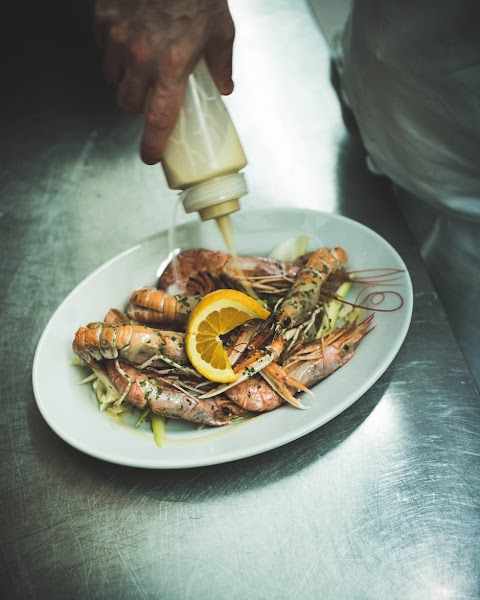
{"x": 161, "y": 115}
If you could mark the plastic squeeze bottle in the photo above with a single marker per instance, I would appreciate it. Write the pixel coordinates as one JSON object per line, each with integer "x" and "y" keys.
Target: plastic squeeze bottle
{"x": 203, "y": 156}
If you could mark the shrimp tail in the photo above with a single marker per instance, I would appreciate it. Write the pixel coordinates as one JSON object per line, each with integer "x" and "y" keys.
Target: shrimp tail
{"x": 150, "y": 305}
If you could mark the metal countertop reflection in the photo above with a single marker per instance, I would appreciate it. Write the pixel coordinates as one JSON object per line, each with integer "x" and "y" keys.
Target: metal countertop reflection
{"x": 383, "y": 501}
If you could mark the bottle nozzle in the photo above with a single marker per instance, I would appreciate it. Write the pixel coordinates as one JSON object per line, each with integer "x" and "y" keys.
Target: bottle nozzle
{"x": 217, "y": 211}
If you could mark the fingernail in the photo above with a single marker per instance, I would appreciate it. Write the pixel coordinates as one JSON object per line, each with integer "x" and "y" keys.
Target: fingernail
{"x": 227, "y": 87}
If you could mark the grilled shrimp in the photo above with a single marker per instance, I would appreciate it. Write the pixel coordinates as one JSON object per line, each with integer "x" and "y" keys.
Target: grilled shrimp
{"x": 255, "y": 394}
{"x": 200, "y": 271}
{"x": 151, "y": 305}
{"x": 307, "y": 363}
{"x": 304, "y": 295}
{"x": 311, "y": 362}
{"x": 136, "y": 344}
{"x": 142, "y": 388}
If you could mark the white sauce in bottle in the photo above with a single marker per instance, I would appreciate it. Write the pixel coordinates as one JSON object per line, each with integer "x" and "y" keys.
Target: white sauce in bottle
{"x": 204, "y": 143}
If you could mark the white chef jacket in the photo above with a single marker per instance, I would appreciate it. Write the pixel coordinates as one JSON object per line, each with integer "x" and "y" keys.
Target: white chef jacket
{"x": 410, "y": 73}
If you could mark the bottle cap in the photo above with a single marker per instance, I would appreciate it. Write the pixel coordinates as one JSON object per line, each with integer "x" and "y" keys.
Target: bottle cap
{"x": 220, "y": 190}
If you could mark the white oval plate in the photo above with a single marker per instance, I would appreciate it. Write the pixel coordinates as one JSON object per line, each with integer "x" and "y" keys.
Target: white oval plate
{"x": 72, "y": 410}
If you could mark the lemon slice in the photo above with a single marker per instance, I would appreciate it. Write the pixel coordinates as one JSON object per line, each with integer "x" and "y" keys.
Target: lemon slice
{"x": 216, "y": 314}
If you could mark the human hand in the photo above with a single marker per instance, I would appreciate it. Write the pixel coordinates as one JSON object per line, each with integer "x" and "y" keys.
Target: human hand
{"x": 152, "y": 46}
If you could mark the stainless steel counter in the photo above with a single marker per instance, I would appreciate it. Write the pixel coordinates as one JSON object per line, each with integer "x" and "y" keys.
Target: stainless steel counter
{"x": 383, "y": 501}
